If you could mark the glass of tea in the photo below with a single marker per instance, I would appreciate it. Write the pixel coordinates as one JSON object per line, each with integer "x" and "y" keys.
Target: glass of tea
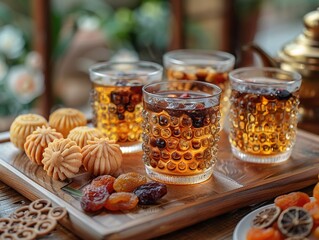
{"x": 202, "y": 65}
{"x": 180, "y": 130}
{"x": 263, "y": 114}
{"x": 116, "y": 99}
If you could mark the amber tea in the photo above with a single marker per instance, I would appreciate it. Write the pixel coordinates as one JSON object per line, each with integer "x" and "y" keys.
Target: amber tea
{"x": 202, "y": 65}
{"x": 117, "y": 111}
{"x": 181, "y": 131}
{"x": 263, "y": 114}
{"x": 116, "y": 99}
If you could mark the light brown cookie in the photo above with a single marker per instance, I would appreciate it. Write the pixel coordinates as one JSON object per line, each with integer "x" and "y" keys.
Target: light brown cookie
{"x": 38, "y": 141}
{"x": 82, "y": 134}
{"x": 65, "y": 119}
{"x": 23, "y": 126}
{"x": 102, "y": 156}
{"x": 62, "y": 159}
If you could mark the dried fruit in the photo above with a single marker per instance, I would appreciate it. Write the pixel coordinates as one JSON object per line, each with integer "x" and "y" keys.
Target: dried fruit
{"x": 93, "y": 198}
{"x": 313, "y": 209}
{"x": 105, "y": 180}
{"x": 128, "y": 182}
{"x": 263, "y": 234}
{"x": 282, "y": 94}
{"x": 121, "y": 201}
{"x": 293, "y": 199}
{"x": 266, "y": 217}
{"x": 316, "y": 192}
{"x": 316, "y": 232}
{"x": 295, "y": 222}
{"x": 150, "y": 192}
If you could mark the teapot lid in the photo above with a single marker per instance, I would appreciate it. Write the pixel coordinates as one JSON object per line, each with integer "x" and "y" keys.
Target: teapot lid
{"x": 303, "y": 52}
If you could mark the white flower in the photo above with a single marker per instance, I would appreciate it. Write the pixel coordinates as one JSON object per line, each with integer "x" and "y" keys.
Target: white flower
{"x": 11, "y": 41}
{"x": 25, "y": 83}
{"x": 3, "y": 69}
{"x": 88, "y": 23}
{"x": 33, "y": 60}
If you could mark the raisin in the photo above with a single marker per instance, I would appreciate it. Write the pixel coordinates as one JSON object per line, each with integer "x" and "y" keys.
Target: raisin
{"x": 121, "y": 116}
{"x": 198, "y": 122}
{"x": 160, "y": 143}
{"x": 128, "y": 182}
{"x": 93, "y": 198}
{"x": 163, "y": 121}
{"x": 121, "y": 108}
{"x": 104, "y": 180}
{"x": 293, "y": 199}
{"x": 201, "y": 74}
{"x": 282, "y": 94}
{"x": 115, "y": 98}
{"x": 130, "y": 107}
{"x": 151, "y": 192}
{"x": 121, "y": 201}
{"x": 219, "y": 78}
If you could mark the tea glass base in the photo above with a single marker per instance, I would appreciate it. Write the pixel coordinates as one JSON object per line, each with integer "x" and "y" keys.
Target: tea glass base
{"x": 259, "y": 158}
{"x": 130, "y": 147}
{"x": 179, "y": 180}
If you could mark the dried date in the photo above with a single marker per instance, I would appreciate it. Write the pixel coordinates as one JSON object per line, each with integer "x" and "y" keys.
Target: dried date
{"x": 150, "y": 193}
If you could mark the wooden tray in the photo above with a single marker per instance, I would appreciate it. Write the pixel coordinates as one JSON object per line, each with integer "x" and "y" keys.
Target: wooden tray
{"x": 234, "y": 184}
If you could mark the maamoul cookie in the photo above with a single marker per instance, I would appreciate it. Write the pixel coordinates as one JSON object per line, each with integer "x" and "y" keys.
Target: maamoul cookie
{"x": 65, "y": 119}
{"x": 102, "y": 156}
{"x": 62, "y": 159}
{"x": 82, "y": 134}
{"x": 23, "y": 126}
{"x": 38, "y": 140}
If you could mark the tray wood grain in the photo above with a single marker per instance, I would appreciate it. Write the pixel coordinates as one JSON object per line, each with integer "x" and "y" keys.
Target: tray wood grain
{"x": 234, "y": 184}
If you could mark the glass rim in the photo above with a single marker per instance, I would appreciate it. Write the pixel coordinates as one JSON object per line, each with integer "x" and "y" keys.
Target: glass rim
{"x": 158, "y": 69}
{"x": 296, "y": 77}
{"x": 172, "y": 55}
{"x": 213, "y": 86}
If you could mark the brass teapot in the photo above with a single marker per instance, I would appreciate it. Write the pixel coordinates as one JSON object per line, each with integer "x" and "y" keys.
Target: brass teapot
{"x": 301, "y": 55}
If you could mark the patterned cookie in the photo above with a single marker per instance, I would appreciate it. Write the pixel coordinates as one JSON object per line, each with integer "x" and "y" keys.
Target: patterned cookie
{"x": 81, "y": 135}
{"x": 65, "y": 119}
{"x": 31, "y": 221}
{"x": 102, "y": 156}
{"x": 23, "y": 126}
{"x": 38, "y": 141}
{"x": 62, "y": 159}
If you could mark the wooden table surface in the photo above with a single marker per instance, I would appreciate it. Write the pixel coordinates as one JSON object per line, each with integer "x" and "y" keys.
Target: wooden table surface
{"x": 220, "y": 227}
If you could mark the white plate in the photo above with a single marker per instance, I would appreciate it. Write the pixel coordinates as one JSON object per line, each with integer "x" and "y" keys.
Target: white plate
{"x": 244, "y": 224}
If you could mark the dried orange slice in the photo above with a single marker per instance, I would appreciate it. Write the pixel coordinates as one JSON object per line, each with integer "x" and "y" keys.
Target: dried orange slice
{"x": 295, "y": 222}
{"x": 266, "y": 217}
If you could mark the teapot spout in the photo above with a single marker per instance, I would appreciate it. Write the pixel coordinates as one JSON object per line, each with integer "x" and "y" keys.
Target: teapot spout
{"x": 267, "y": 60}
